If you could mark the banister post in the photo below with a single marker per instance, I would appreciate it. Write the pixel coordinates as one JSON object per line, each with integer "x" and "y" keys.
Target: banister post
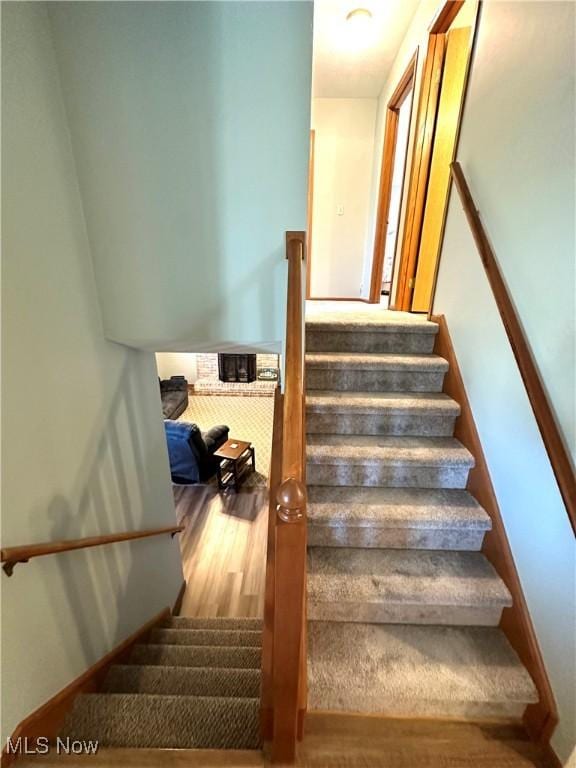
{"x": 289, "y": 637}
{"x": 288, "y": 617}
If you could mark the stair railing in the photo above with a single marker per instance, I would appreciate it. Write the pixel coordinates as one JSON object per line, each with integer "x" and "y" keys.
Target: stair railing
{"x": 558, "y": 455}
{"x": 11, "y": 556}
{"x": 284, "y": 691}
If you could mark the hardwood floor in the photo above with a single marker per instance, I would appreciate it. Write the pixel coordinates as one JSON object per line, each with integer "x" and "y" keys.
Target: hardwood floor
{"x": 223, "y": 550}
{"x": 346, "y": 741}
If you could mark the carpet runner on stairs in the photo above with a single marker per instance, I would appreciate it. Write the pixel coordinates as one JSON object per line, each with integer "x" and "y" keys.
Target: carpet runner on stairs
{"x": 194, "y": 685}
{"x": 403, "y": 608}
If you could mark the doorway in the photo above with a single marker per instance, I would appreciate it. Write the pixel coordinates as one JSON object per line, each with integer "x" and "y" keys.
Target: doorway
{"x": 394, "y": 153}
{"x": 442, "y": 92}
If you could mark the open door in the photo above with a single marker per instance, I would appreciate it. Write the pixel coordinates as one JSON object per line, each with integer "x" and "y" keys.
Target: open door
{"x": 454, "y": 76}
{"x": 442, "y": 92}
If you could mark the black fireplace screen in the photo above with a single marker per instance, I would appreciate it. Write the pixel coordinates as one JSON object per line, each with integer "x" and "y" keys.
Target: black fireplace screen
{"x": 236, "y": 368}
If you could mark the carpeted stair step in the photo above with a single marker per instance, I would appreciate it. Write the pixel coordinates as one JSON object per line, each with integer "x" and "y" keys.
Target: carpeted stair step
{"x": 165, "y": 722}
{"x": 196, "y": 656}
{"x": 369, "y": 372}
{"x": 405, "y": 518}
{"x": 395, "y": 462}
{"x": 370, "y": 334}
{"x": 405, "y": 670}
{"x": 213, "y": 622}
{"x": 214, "y": 637}
{"x": 380, "y": 413}
{"x": 183, "y": 681}
{"x": 404, "y": 586}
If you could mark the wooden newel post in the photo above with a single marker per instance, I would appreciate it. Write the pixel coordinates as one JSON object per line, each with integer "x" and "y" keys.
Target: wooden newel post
{"x": 288, "y": 626}
{"x": 291, "y": 500}
{"x": 288, "y": 644}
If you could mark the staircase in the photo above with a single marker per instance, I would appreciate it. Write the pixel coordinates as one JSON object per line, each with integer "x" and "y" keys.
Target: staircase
{"x": 403, "y": 607}
{"x": 194, "y": 685}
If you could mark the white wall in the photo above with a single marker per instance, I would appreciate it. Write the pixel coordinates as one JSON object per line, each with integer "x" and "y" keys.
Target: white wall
{"x": 177, "y": 364}
{"x": 343, "y": 154}
{"x": 82, "y": 441}
{"x": 190, "y": 125}
{"x": 517, "y": 150}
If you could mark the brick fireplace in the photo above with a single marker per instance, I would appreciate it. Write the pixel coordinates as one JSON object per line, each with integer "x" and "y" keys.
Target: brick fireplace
{"x": 208, "y": 381}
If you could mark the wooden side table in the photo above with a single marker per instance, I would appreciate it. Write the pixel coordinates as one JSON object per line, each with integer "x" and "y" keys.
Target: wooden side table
{"x": 237, "y": 459}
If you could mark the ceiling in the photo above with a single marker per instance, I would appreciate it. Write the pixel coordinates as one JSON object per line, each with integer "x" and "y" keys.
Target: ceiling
{"x": 356, "y": 66}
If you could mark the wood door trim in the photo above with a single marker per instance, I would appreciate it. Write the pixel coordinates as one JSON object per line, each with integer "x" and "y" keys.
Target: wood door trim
{"x": 406, "y": 82}
{"x": 444, "y": 17}
{"x": 541, "y": 718}
{"x": 310, "y": 212}
{"x": 419, "y": 169}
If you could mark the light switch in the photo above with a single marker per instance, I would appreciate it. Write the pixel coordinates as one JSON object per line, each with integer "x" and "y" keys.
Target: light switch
{"x": 340, "y": 210}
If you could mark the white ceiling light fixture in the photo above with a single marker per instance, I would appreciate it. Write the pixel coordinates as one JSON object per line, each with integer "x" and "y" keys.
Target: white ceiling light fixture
{"x": 359, "y": 15}
{"x": 359, "y": 28}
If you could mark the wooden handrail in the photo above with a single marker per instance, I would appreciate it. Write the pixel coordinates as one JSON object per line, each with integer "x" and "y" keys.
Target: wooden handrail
{"x": 557, "y": 452}
{"x": 10, "y": 556}
{"x": 288, "y": 641}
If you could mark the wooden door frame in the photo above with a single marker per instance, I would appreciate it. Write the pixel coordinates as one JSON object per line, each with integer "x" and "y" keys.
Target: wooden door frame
{"x": 309, "y": 212}
{"x": 405, "y": 84}
{"x": 422, "y": 151}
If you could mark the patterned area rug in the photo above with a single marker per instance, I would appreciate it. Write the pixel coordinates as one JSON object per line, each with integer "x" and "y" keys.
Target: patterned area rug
{"x": 249, "y": 418}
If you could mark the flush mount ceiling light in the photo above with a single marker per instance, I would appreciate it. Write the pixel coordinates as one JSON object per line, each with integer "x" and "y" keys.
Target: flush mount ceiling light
{"x": 359, "y": 15}
{"x": 359, "y": 27}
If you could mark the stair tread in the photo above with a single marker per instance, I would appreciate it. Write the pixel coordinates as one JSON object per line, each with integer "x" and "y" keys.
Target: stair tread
{"x": 373, "y": 322}
{"x": 376, "y": 402}
{"x": 196, "y": 656}
{"x": 379, "y": 668}
{"x": 376, "y": 360}
{"x": 183, "y": 681}
{"x": 344, "y": 574}
{"x": 394, "y": 507}
{"x": 206, "y": 637}
{"x": 177, "y": 722}
{"x": 376, "y": 449}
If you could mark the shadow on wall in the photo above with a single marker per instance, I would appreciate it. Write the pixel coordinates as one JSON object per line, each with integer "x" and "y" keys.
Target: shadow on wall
{"x": 109, "y": 496}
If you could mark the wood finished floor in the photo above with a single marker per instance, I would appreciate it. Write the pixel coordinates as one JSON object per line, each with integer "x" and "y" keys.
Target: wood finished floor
{"x": 223, "y": 550}
{"x": 349, "y": 742}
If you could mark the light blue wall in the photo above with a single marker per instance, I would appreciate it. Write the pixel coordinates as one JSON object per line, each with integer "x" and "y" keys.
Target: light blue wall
{"x": 517, "y": 150}
{"x": 190, "y": 125}
{"x": 83, "y": 446}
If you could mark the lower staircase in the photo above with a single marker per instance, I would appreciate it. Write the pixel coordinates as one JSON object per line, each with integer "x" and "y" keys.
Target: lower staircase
{"x": 194, "y": 685}
{"x": 403, "y": 607}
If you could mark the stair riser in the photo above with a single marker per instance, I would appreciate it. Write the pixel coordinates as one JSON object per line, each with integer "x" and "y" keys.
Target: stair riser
{"x": 208, "y": 637}
{"x": 366, "y": 341}
{"x": 389, "y": 613}
{"x": 176, "y": 681}
{"x": 386, "y": 476}
{"x": 394, "y": 538}
{"x": 187, "y": 656}
{"x": 181, "y": 622}
{"x": 373, "y": 380}
{"x": 361, "y": 701}
{"x": 407, "y": 425}
{"x": 167, "y": 722}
